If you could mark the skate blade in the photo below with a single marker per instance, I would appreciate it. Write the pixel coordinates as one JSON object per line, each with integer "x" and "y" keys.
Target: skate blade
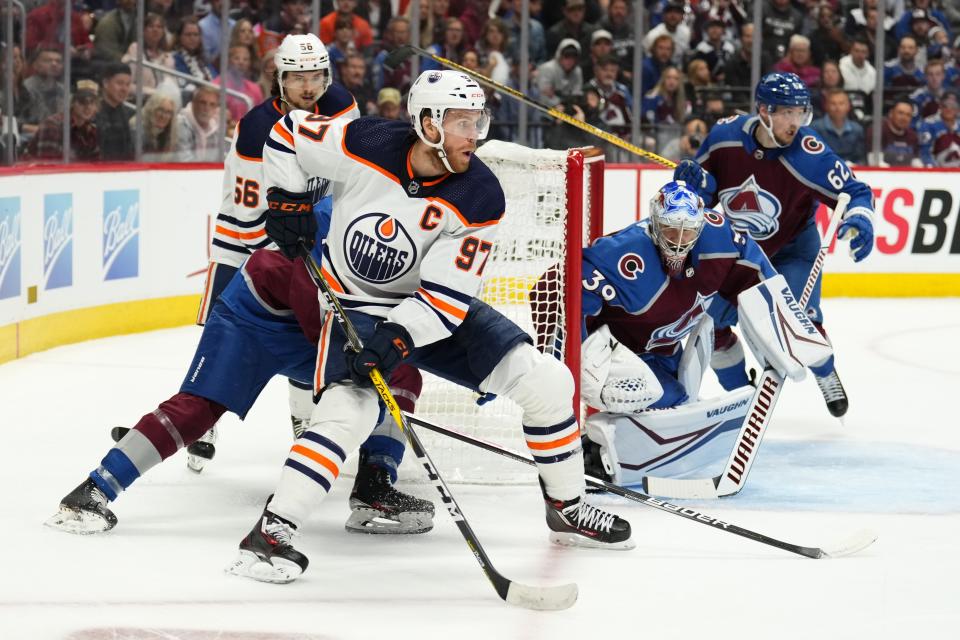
{"x": 374, "y": 521}
{"x": 568, "y": 539}
{"x": 196, "y": 463}
{"x": 78, "y": 522}
{"x": 249, "y": 565}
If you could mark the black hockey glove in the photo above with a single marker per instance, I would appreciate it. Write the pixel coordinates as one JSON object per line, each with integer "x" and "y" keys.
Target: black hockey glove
{"x": 290, "y": 220}
{"x": 384, "y": 350}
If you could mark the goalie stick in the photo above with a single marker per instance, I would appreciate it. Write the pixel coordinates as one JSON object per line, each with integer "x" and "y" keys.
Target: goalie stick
{"x": 757, "y": 420}
{"x": 855, "y": 543}
{"x": 522, "y": 595}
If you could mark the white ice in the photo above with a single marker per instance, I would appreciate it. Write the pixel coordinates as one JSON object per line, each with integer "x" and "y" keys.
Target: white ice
{"x": 893, "y": 467}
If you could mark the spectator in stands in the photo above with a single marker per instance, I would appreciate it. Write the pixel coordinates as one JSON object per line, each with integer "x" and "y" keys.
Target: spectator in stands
{"x": 715, "y": 49}
{"x": 560, "y": 79}
{"x": 920, "y": 25}
{"x": 867, "y": 32}
{"x": 388, "y": 104}
{"x": 113, "y": 118}
{"x": 238, "y": 68}
{"x": 493, "y": 43}
{"x": 427, "y": 26}
{"x": 268, "y": 69}
{"x": 189, "y": 57}
{"x": 439, "y": 12}
{"x": 697, "y": 84}
{"x": 686, "y": 146}
{"x": 858, "y": 73}
{"x": 781, "y": 21}
{"x": 353, "y": 76}
{"x": 378, "y": 13}
{"x": 159, "y": 127}
{"x": 666, "y": 103}
{"x": 347, "y": 9}
{"x": 451, "y": 48}
{"x": 537, "y": 48}
{"x": 736, "y": 71}
{"x": 616, "y": 111}
{"x": 729, "y": 12}
{"x": 714, "y": 108}
{"x": 47, "y": 142}
{"x": 474, "y": 17}
{"x": 572, "y": 26}
{"x": 898, "y": 139}
{"x": 45, "y": 87}
{"x": 661, "y": 53}
{"x": 198, "y": 128}
{"x": 618, "y": 22}
{"x": 243, "y": 35}
{"x": 905, "y": 22}
{"x": 798, "y": 61}
{"x": 45, "y": 26}
{"x": 601, "y": 46}
{"x": 940, "y": 134}
{"x": 830, "y": 78}
{"x": 397, "y": 35}
{"x": 292, "y": 15}
{"x": 926, "y": 99}
{"x": 952, "y": 66}
{"x": 838, "y": 131}
{"x": 156, "y": 50}
{"x": 211, "y": 29}
{"x": 115, "y": 31}
{"x": 939, "y": 45}
{"x": 586, "y": 108}
{"x": 342, "y": 44}
{"x": 674, "y": 27}
{"x": 828, "y": 41}
{"x": 903, "y": 72}
{"x": 21, "y": 99}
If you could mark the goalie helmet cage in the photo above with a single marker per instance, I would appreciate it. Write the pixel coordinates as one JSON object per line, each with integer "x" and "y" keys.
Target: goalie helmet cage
{"x": 554, "y": 208}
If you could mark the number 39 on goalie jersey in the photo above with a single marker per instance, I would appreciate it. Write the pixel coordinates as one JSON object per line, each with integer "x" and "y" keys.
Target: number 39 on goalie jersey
{"x": 410, "y": 249}
{"x": 626, "y": 287}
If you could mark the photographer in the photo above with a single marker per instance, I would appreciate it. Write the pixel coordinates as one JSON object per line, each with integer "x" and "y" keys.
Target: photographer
{"x": 685, "y": 147}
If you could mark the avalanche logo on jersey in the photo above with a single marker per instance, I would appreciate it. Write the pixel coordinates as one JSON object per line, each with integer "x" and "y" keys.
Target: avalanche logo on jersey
{"x": 378, "y": 248}
{"x": 675, "y": 331}
{"x": 752, "y": 209}
{"x": 630, "y": 265}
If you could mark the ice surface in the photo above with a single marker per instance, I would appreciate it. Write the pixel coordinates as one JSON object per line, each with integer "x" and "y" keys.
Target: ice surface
{"x": 893, "y": 467}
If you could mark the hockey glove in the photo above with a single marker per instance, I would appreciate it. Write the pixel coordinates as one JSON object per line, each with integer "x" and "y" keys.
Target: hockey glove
{"x": 858, "y": 229}
{"x": 290, "y": 220}
{"x": 696, "y": 178}
{"x": 384, "y": 350}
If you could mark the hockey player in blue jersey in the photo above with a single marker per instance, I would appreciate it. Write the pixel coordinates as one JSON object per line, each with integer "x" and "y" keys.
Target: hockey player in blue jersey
{"x": 768, "y": 172}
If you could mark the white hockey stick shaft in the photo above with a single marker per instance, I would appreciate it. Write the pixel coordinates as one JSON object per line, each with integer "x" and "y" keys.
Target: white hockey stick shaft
{"x": 757, "y": 420}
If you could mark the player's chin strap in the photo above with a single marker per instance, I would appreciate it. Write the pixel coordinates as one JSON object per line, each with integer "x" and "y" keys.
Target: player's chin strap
{"x": 439, "y": 148}
{"x": 769, "y": 129}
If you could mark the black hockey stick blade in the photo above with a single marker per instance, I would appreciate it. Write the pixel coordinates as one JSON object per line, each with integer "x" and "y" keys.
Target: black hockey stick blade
{"x": 117, "y": 433}
{"x": 398, "y": 56}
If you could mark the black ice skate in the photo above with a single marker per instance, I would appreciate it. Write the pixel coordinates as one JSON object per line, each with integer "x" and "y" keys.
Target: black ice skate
{"x": 833, "y": 394}
{"x": 83, "y": 511}
{"x": 377, "y": 507}
{"x": 575, "y": 523}
{"x": 266, "y": 553}
{"x": 202, "y": 451}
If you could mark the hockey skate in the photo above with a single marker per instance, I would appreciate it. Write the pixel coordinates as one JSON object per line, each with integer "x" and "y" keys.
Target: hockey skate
{"x": 83, "y": 511}
{"x": 833, "y": 394}
{"x": 202, "y": 451}
{"x": 266, "y": 553}
{"x": 377, "y": 507}
{"x": 575, "y": 523}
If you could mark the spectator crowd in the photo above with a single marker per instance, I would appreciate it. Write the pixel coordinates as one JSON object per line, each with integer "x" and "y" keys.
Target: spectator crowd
{"x": 695, "y": 69}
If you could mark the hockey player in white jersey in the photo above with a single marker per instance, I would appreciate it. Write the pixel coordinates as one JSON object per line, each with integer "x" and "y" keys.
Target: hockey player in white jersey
{"x": 414, "y": 218}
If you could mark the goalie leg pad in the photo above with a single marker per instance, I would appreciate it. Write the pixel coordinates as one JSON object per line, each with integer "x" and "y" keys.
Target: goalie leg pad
{"x": 696, "y": 356}
{"x": 778, "y": 331}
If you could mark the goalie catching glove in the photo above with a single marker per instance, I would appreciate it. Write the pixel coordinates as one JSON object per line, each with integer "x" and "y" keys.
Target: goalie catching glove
{"x": 779, "y": 332}
{"x": 615, "y": 379}
{"x": 290, "y": 220}
{"x": 384, "y": 350}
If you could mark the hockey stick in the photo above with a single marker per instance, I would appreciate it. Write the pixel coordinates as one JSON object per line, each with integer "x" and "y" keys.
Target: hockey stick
{"x": 515, "y": 593}
{"x": 855, "y": 543}
{"x": 398, "y": 55}
{"x": 755, "y": 424}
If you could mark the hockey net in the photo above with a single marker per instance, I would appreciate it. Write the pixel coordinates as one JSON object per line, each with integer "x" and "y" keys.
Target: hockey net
{"x": 554, "y": 207}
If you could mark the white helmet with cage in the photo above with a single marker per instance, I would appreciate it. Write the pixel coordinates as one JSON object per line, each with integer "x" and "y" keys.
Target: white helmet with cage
{"x": 676, "y": 221}
{"x": 442, "y": 91}
{"x": 302, "y": 52}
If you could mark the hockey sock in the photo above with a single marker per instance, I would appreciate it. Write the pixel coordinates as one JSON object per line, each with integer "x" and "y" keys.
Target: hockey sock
{"x": 728, "y": 360}
{"x": 556, "y": 450}
{"x": 826, "y": 367}
{"x": 177, "y": 422}
{"x": 385, "y": 446}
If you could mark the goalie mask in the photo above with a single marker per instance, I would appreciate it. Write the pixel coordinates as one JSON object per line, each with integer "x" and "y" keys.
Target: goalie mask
{"x": 676, "y": 221}
{"x": 455, "y": 103}
{"x": 303, "y": 53}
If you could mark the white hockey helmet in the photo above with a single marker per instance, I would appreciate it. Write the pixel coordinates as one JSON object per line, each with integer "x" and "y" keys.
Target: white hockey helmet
{"x": 676, "y": 221}
{"x": 440, "y": 91}
{"x": 302, "y": 52}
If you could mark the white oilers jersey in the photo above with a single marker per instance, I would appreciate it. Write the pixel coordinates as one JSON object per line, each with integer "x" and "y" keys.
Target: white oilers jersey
{"x": 408, "y": 249}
